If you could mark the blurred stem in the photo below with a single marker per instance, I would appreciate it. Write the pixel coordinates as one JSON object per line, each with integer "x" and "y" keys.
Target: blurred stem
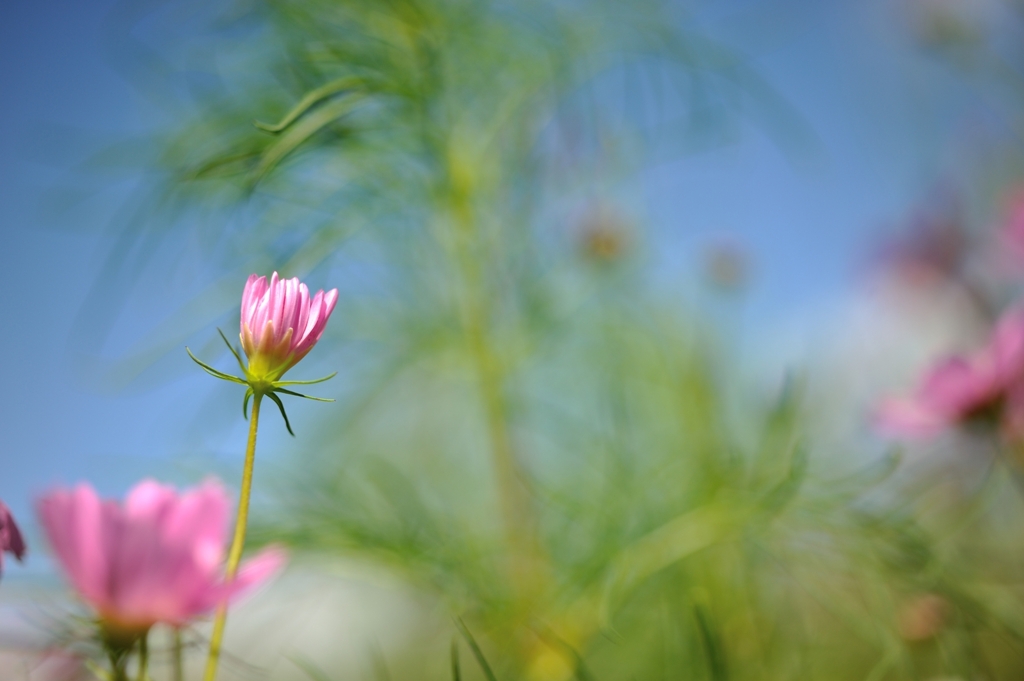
{"x": 527, "y": 564}
{"x": 179, "y": 672}
{"x": 117, "y": 666}
{"x": 238, "y": 543}
{"x": 144, "y": 657}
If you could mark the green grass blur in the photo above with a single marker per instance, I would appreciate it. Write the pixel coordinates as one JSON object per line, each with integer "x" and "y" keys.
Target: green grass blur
{"x": 530, "y": 432}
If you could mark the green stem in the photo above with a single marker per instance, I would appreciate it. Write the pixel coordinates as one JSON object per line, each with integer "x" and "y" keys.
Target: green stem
{"x": 238, "y": 543}
{"x": 117, "y": 666}
{"x": 144, "y": 657}
{"x": 528, "y": 564}
{"x": 179, "y": 673}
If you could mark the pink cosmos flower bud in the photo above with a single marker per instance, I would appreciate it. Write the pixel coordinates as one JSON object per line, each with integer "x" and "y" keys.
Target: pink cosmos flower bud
{"x": 280, "y": 323}
{"x": 986, "y": 385}
{"x": 156, "y": 558}
{"x": 10, "y": 536}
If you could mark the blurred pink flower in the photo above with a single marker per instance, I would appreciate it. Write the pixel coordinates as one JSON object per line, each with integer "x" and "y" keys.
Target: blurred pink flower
{"x": 156, "y": 558}
{"x": 10, "y": 536}
{"x": 280, "y": 324}
{"x": 986, "y": 385}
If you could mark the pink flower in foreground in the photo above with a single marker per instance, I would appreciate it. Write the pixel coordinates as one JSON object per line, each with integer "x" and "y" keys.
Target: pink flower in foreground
{"x": 280, "y": 323}
{"x": 10, "y": 536}
{"x": 156, "y": 558}
{"x": 986, "y": 385}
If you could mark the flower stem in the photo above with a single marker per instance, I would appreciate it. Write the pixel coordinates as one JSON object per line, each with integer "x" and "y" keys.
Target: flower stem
{"x": 117, "y": 666}
{"x": 238, "y": 543}
{"x": 144, "y": 657}
{"x": 179, "y": 673}
{"x": 528, "y": 562}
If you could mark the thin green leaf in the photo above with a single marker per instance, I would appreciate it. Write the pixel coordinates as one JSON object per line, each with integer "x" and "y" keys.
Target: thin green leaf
{"x": 315, "y": 380}
{"x": 245, "y": 403}
{"x": 456, "y": 670}
{"x": 477, "y": 653}
{"x": 213, "y": 372}
{"x": 308, "y": 397}
{"x": 277, "y": 400}
{"x": 308, "y": 101}
{"x": 301, "y": 132}
{"x": 712, "y": 644}
{"x": 233, "y": 351}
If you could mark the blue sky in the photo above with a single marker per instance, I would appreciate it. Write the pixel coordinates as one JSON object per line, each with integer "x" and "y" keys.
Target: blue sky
{"x": 888, "y": 121}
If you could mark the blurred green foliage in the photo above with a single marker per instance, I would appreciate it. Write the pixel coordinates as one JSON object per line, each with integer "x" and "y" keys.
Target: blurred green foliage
{"x": 528, "y": 429}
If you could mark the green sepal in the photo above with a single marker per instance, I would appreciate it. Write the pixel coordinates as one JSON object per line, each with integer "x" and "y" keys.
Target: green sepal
{"x": 234, "y": 352}
{"x": 213, "y": 372}
{"x": 245, "y": 403}
{"x": 280, "y": 405}
{"x": 295, "y": 394}
{"x": 315, "y": 380}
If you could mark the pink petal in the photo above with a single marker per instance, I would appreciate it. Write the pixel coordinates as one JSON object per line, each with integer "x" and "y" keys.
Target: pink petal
{"x": 302, "y": 320}
{"x": 908, "y": 418}
{"x": 253, "y": 291}
{"x": 955, "y": 386}
{"x": 275, "y": 304}
{"x": 77, "y": 525}
{"x": 289, "y": 312}
{"x": 317, "y": 326}
{"x": 259, "y": 569}
{"x": 253, "y": 573}
{"x": 303, "y": 344}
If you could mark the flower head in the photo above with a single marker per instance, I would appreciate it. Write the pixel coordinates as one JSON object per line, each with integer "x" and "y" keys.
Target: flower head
{"x": 156, "y": 558}
{"x": 986, "y": 385}
{"x": 10, "y": 536}
{"x": 280, "y": 323}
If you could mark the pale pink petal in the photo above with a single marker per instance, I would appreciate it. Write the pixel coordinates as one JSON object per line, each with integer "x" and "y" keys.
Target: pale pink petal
{"x": 303, "y": 345}
{"x": 77, "y": 525}
{"x": 275, "y": 303}
{"x": 302, "y": 320}
{"x": 259, "y": 319}
{"x": 149, "y": 499}
{"x": 259, "y": 569}
{"x": 289, "y": 312}
{"x": 326, "y": 307}
{"x": 200, "y": 521}
{"x": 316, "y": 307}
{"x": 253, "y": 291}
{"x": 253, "y": 573}
{"x": 908, "y": 418}
{"x": 955, "y": 387}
